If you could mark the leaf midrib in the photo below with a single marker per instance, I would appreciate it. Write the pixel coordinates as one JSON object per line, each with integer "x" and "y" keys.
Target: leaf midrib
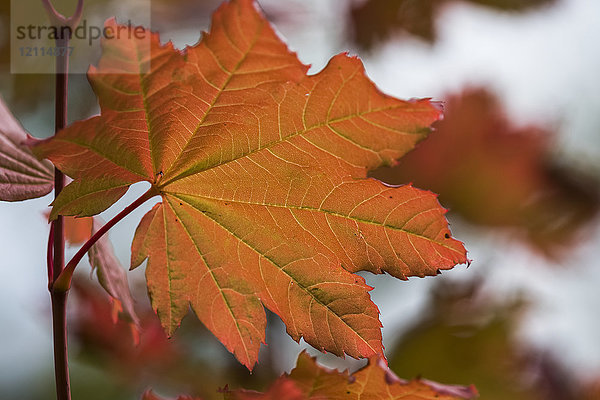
{"x": 190, "y": 171}
{"x": 210, "y": 271}
{"x": 218, "y": 96}
{"x": 314, "y": 209}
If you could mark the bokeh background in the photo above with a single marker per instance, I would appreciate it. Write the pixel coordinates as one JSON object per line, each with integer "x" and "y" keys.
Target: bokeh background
{"x": 516, "y": 161}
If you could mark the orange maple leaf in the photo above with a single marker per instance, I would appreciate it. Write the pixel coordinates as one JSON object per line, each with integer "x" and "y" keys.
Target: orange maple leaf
{"x": 309, "y": 381}
{"x": 262, "y": 174}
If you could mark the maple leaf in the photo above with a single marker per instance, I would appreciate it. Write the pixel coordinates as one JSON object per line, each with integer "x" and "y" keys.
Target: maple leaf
{"x": 22, "y": 175}
{"x": 309, "y": 381}
{"x": 262, "y": 174}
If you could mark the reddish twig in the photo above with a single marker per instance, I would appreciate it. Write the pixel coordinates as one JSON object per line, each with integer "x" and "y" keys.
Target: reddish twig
{"x": 50, "y": 256}
{"x": 55, "y": 265}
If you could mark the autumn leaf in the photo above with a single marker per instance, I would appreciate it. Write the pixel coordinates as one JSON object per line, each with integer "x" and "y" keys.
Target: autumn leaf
{"x": 591, "y": 390}
{"x": 77, "y": 230}
{"x": 111, "y": 275}
{"x": 309, "y": 381}
{"x": 493, "y": 173}
{"x": 102, "y": 338}
{"x": 150, "y": 395}
{"x": 102, "y": 258}
{"x": 22, "y": 175}
{"x": 262, "y": 174}
{"x": 282, "y": 389}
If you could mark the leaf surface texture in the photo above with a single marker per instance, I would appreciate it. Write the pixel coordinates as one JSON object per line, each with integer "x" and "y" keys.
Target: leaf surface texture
{"x": 22, "y": 175}
{"x": 309, "y": 381}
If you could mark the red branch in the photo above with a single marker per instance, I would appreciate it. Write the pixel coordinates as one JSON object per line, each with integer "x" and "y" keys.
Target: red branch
{"x": 56, "y": 253}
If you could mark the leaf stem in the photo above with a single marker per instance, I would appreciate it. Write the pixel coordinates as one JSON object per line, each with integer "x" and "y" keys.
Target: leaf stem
{"x": 63, "y": 283}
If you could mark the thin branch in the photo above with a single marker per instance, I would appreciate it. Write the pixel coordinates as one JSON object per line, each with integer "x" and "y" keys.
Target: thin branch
{"x": 50, "y": 256}
{"x": 56, "y": 245}
{"x": 59, "y": 328}
{"x": 59, "y": 300}
{"x": 63, "y": 283}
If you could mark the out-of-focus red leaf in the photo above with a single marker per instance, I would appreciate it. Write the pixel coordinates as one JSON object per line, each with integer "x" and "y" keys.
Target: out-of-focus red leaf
{"x": 150, "y": 395}
{"x": 192, "y": 360}
{"x": 375, "y": 20}
{"x": 97, "y": 333}
{"x": 283, "y": 388}
{"x": 262, "y": 173}
{"x": 591, "y": 390}
{"x": 493, "y": 173}
{"x": 375, "y": 381}
{"x": 22, "y": 175}
{"x": 77, "y": 230}
{"x": 111, "y": 274}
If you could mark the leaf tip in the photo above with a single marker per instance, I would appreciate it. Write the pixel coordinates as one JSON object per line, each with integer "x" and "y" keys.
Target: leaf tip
{"x": 53, "y": 214}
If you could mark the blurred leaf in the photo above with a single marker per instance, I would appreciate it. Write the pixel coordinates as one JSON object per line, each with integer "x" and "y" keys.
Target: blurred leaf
{"x": 591, "y": 390}
{"x": 193, "y": 359}
{"x": 77, "y": 230}
{"x": 512, "y": 5}
{"x": 281, "y": 389}
{"x": 374, "y": 381}
{"x": 493, "y": 173}
{"x": 111, "y": 274}
{"x": 150, "y": 395}
{"x": 22, "y": 175}
{"x": 108, "y": 341}
{"x": 464, "y": 335}
{"x": 373, "y": 21}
